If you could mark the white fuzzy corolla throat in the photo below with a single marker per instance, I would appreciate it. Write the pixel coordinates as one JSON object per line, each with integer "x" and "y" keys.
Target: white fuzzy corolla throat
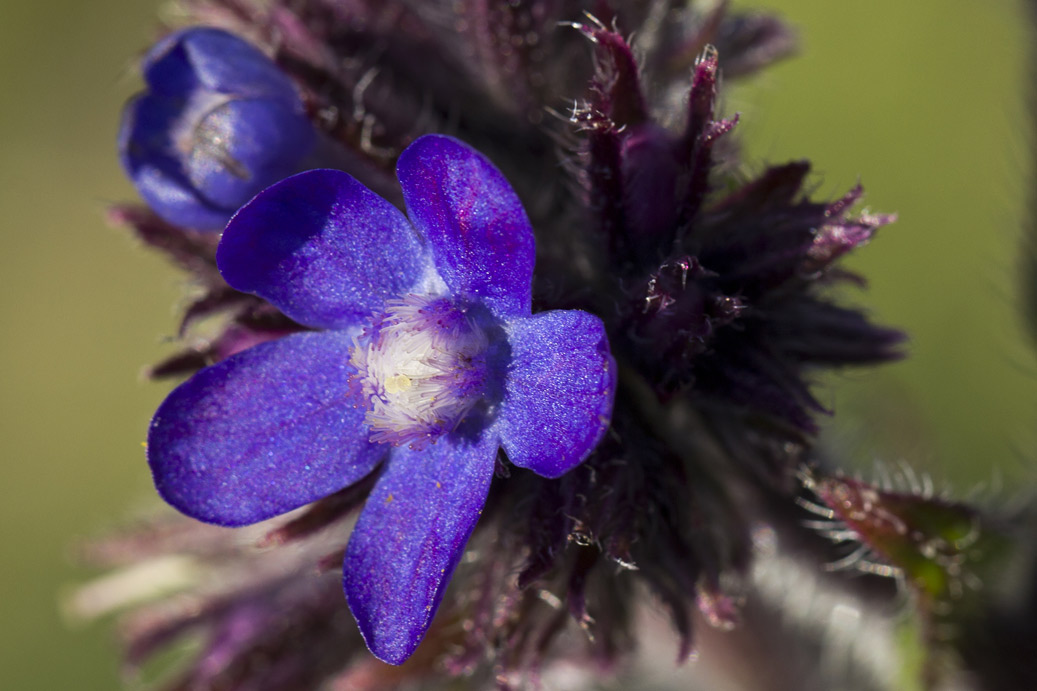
{"x": 421, "y": 369}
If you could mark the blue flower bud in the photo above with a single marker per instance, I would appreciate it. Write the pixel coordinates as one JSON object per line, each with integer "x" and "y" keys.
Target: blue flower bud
{"x": 218, "y": 123}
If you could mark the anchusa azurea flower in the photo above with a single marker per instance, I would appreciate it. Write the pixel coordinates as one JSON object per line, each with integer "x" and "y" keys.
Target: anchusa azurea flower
{"x": 217, "y": 124}
{"x": 428, "y": 345}
{"x": 413, "y": 385}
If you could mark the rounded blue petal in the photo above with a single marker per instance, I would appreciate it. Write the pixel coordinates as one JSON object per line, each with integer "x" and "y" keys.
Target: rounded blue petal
{"x": 210, "y": 59}
{"x": 218, "y": 123}
{"x": 410, "y": 537}
{"x": 559, "y": 391}
{"x": 475, "y": 225}
{"x": 262, "y": 432}
{"x": 323, "y": 249}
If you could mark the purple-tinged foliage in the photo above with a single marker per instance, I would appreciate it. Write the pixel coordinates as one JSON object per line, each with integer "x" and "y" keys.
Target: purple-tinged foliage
{"x": 760, "y": 322}
{"x": 933, "y": 543}
{"x": 427, "y": 343}
{"x": 724, "y": 292}
{"x": 218, "y": 123}
{"x": 264, "y": 623}
{"x": 974, "y": 590}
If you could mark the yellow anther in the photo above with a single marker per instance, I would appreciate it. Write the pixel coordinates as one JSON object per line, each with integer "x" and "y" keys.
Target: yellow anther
{"x": 397, "y": 383}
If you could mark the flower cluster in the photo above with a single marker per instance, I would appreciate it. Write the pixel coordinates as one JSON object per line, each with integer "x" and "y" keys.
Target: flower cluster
{"x": 424, "y": 406}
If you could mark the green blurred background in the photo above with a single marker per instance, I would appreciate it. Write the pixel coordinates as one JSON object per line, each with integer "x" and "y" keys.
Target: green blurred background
{"x": 923, "y": 101}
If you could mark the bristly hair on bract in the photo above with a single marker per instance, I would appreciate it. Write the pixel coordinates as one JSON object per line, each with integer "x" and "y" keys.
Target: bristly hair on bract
{"x": 713, "y": 285}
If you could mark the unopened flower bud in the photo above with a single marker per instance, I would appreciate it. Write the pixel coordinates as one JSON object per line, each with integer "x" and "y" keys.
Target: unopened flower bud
{"x": 218, "y": 123}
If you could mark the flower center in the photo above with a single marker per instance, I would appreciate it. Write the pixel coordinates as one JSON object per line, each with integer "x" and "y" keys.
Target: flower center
{"x": 421, "y": 367}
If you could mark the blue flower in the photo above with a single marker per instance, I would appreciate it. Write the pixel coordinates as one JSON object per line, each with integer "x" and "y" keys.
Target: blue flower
{"x": 425, "y": 356}
{"x": 218, "y": 123}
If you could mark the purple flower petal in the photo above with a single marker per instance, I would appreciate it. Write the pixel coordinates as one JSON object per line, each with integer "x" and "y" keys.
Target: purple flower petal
{"x": 322, "y": 248}
{"x": 166, "y": 192}
{"x": 410, "y": 537}
{"x": 261, "y": 433}
{"x": 477, "y": 229}
{"x": 216, "y": 60}
{"x": 559, "y": 391}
